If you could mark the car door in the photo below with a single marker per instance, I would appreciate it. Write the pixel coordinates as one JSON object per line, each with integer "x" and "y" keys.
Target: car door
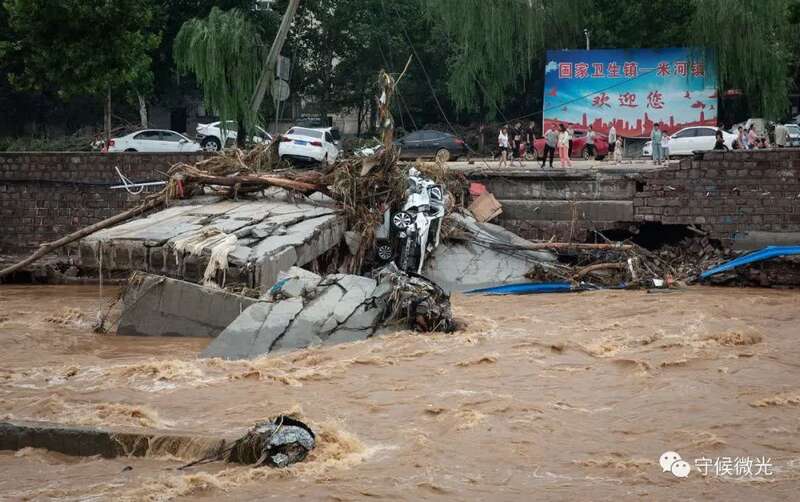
{"x": 704, "y": 138}
{"x": 171, "y": 142}
{"x": 145, "y": 141}
{"x": 411, "y": 145}
{"x": 681, "y": 143}
{"x": 438, "y": 141}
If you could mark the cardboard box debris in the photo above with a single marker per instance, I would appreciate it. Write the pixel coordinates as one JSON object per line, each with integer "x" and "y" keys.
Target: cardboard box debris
{"x": 485, "y": 208}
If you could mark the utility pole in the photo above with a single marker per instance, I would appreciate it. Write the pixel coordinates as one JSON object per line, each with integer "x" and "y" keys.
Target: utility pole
{"x": 268, "y": 72}
{"x": 586, "y": 33}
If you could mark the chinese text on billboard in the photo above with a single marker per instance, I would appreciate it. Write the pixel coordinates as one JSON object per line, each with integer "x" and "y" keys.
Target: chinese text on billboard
{"x": 631, "y": 89}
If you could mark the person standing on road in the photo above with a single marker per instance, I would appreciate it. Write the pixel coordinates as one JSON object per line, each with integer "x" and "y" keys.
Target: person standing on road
{"x": 741, "y": 139}
{"x": 618, "y": 151}
{"x": 550, "y": 142}
{"x": 781, "y": 134}
{"x": 571, "y": 134}
{"x": 563, "y": 147}
{"x": 664, "y": 145}
{"x": 502, "y": 143}
{"x": 590, "y": 135}
{"x": 612, "y": 140}
{"x": 719, "y": 144}
{"x": 752, "y": 137}
{"x": 655, "y": 142}
{"x": 530, "y": 137}
{"x": 517, "y": 144}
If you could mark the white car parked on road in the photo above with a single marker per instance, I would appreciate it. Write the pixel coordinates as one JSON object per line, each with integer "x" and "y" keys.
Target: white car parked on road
{"x": 308, "y": 145}
{"x": 691, "y": 139}
{"x": 210, "y": 135}
{"x": 153, "y": 140}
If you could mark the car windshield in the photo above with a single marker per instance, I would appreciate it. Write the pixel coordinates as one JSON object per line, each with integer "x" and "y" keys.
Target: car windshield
{"x": 301, "y": 131}
{"x": 792, "y": 128}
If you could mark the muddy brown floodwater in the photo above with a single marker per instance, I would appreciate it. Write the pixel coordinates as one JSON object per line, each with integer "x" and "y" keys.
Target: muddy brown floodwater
{"x": 559, "y": 397}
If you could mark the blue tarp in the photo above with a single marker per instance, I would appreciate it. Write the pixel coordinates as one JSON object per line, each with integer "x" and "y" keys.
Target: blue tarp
{"x": 527, "y": 288}
{"x": 760, "y": 255}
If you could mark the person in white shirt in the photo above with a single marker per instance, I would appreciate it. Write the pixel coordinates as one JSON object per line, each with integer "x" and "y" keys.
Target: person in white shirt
{"x": 612, "y": 141}
{"x": 664, "y": 145}
{"x": 617, "y": 151}
{"x": 502, "y": 143}
{"x": 563, "y": 147}
{"x": 781, "y": 135}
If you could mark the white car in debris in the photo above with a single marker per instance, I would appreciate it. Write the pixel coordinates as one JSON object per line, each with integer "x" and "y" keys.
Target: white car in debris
{"x": 692, "y": 139}
{"x": 153, "y": 140}
{"x": 308, "y": 145}
{"x": 210, "y": 135}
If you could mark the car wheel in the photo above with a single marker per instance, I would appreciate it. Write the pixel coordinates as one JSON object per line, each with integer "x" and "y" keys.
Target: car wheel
{"x": 384, "y": 251}
{"x": 211, "y": 145}
{"x": 401, "y": 220}
{"x": 130, "y": 150}
{"x": 585, "y": 154}
{"x": 443, "y": 155}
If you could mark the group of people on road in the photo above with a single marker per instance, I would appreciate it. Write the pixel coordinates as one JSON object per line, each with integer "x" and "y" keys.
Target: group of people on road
{"x": 749, "y": 139}
{"x": 558, "y": 138}
{"x": 514, "y": 142}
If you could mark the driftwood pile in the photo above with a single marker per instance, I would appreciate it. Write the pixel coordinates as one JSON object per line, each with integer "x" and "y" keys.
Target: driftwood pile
{"x": 631, "y": 266}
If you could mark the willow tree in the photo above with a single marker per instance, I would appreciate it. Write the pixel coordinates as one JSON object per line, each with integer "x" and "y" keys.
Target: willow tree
{"x": 497, "y": 44}
{"x": 754, "y": 43}
{"x": 225, "y": 52}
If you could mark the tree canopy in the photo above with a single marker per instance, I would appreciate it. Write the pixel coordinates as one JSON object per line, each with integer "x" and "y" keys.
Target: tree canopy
{"x": 225, "y": 52}
{"x": 497, "y": 45}
{"x": 81, "y": 47}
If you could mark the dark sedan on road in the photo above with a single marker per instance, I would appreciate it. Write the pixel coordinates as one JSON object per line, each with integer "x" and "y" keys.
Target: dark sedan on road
{"x": 432, "y": 144}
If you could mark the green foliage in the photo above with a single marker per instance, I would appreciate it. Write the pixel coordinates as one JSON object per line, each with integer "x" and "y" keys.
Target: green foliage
{"x": 498, "y": 43}
{"x": 495, "y": 44}
{"x": 81, "y": 47}
{"x": 754, "y": 43}
{"x": 75, "y": 143}
{"x": 225, "y": 52}
{"x": 650, "y": 24}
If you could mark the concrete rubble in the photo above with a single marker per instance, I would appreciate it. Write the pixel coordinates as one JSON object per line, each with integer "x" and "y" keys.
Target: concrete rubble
{"x": 480, "y": 260}
{"x": 209, "y": 239}
{"x": 304, "y": 309}
{"x": 159, "y": 306}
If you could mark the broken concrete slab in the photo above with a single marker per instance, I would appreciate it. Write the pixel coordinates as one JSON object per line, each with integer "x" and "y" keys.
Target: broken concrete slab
{"x": 485, "y": 258}
{"x": 160, "y": 306}
{"x": 342, "y": 308}
{"x": 294, "y": 283}
{"x": 82, "y": 441}
{"x": 358, "y": 290}
{"x": 271, "y": 234}
{"x": 255, "y": 330}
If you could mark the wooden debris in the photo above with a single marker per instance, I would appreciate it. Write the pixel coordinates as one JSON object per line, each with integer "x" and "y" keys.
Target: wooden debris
{"x": 485, "y": 208}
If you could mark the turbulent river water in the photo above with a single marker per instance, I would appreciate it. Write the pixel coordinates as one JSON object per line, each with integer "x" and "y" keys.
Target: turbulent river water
{"x": 559, "y": 397}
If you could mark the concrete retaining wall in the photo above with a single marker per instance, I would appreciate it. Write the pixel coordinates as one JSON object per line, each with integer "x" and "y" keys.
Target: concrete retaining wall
{"x": 564, "y": 204}
{"x": 733, "y": 195}
{"x": 46, "y": 195}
